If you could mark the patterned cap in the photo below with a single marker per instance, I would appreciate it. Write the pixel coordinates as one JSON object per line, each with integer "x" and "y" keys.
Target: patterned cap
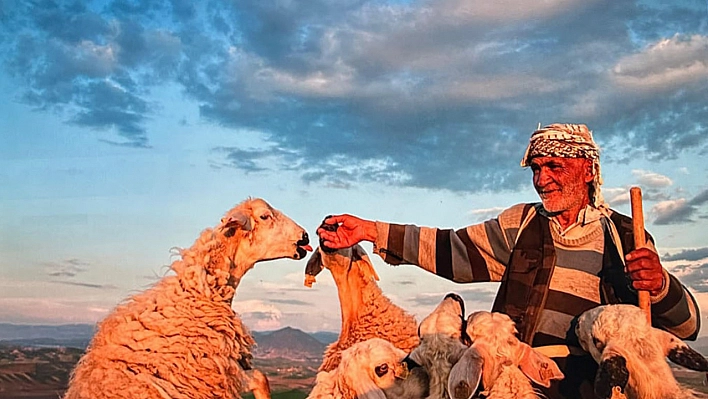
{"x": 567, "y": 141}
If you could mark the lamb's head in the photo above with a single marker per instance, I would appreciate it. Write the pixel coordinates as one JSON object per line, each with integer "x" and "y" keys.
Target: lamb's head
{"x": 622, "y": 341}
{"x": 494, "y": 347}
{"x": 370, "y": 366}
{"x": 448, "y": 318}
{"x": 340, "y": 262}
{"x": 254, "y": 231}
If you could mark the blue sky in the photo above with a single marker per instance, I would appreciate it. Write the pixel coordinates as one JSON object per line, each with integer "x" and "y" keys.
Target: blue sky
{"x": 128, "y": 127}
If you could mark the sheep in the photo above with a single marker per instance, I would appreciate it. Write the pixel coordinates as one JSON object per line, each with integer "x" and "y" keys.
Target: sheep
{"x": 504, "y": 365}
{"x": 366, "y": 312}
{"x": 442, "y": 343}
{"x": 180, "y": 338}
{"x": 368, "y": 369}
{"x": 632, "y": 354}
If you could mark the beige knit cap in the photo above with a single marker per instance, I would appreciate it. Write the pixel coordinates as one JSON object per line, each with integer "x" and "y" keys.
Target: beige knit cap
{"x": 567, "y": 141}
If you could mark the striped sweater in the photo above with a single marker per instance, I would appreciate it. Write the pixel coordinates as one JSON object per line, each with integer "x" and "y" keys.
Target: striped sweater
{"x": 481, "y": 253}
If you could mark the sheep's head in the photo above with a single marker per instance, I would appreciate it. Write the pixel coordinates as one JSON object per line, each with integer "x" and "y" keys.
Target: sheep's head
{"x": 618, "y": 336}
{"x": 339, "y": 261}
{"x": 448, "y": 318}
{"x": 370, "y": 366}
{"x": 494, "y": 347}
{"x": 254, "y": 231}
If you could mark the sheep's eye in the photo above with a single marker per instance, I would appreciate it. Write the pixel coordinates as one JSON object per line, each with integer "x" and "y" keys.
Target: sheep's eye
{"x": 598, "y": 344}
{"x": 381, "y": 370}
{"x": 265, "y": 216}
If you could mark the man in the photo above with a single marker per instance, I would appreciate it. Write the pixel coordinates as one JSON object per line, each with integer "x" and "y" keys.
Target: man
{"x": 555, "y": 259}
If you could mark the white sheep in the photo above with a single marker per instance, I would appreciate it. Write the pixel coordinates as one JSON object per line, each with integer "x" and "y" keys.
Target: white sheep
{"x": 181, "y": 338}
{"x": 365, "y": 371}
{"x": 442, "y": 343}
{"x": 632, "y": 354}
{"x": 504, "y": 365}
{"x": 366, "y": 312}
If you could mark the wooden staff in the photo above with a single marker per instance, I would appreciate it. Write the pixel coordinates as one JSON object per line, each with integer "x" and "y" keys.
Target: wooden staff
{"x": 635, "y": 199}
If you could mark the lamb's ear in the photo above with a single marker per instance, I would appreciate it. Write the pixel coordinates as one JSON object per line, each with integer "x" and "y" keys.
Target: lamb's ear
{"x": 465, "y": 375}
{"x": 538, "y": 367}
{"x": 359, "y": 255}
{"x": 612, "y": 376}
{"x": 235, "y": 221}
{"x": 680, "y": 353}
{"x": 313, "y": 268}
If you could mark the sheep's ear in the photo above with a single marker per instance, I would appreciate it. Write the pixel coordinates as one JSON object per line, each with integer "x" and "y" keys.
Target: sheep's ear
{"x": 235, "y": 221}
{"x": 538, "y": 367}
{"x": 678, "y": 352}
{"x": 359, "y": 255}
{"x": 465, "y": 375}
{"x": 313, "y": 268}
{"x": 612, "y": 376}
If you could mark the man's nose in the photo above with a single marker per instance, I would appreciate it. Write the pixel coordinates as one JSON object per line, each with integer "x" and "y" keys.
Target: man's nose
{"x": 541, "y": 178}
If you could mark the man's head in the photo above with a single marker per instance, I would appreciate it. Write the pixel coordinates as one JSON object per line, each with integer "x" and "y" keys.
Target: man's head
{"x": 565, "y": 161}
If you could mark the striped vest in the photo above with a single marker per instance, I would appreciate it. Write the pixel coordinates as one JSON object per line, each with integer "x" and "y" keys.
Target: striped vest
{"x": 524, "y": 285}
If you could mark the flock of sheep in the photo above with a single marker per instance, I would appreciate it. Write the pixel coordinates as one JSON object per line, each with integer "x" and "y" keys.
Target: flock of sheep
{"x": 181, "y": 338}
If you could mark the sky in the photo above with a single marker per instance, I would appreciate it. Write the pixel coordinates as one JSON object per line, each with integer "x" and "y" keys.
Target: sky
{"x": 128, "y": 127}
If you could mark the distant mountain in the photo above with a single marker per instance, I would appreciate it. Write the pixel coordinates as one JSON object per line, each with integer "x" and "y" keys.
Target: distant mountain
{"x": 288, "y": 343}
{"x": 68, "y": 335}
{"x": 326, "y": 337}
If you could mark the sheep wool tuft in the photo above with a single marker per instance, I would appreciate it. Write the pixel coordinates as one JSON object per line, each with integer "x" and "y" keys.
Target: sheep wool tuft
{"x": 181, "y": 338}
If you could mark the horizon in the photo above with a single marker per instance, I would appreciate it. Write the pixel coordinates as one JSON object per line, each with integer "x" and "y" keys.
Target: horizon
{"x": 130, "y": 127}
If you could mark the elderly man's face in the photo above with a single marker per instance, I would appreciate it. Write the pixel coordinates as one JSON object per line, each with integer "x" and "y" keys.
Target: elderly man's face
{"x": 562, "y": 183}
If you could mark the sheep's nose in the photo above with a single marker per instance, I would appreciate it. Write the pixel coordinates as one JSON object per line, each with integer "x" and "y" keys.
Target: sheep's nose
{"x": 304, "y": 240}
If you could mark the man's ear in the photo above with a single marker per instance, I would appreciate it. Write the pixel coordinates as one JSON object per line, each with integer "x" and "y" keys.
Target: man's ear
{"x": 589, "y": 171}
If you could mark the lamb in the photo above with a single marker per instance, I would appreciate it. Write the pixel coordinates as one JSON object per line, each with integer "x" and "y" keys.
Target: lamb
{"x": 366, "y": 312}
{"x": 504, "y": 365}
{"x": 443, "y": 340}
{"x": 632, "y": 354}
{"x": 181, "y": 338}
{"x": 367, "y": 370}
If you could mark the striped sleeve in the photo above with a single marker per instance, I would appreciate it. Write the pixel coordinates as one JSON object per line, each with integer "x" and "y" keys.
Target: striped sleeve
{"x": 677, "y": 312}
{"x": 478, "y": 252}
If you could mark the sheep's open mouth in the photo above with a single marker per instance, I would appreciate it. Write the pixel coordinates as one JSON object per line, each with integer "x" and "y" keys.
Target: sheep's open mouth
{"x": 303, "y": 247}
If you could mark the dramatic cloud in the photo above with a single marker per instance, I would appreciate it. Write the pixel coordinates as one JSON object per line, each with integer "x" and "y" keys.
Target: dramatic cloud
{"x": 678, "y": 211}
{"x": 440, "y": 94}
{"x": 688, "y": 255}
{"x": 695, "y": 277}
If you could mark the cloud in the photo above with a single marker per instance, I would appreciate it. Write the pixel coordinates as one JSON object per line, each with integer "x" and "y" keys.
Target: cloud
{"x": 678, "y": 211}
{"x": 88, "y": 285}
{"x": 651, "y": 179}
{"x": 487, "y": 213}
{"x": 439, "y": 94}
{"x": 665, "y": 64}
{"x": 295, "y": 302}
{"x": 688, "y": 255}
{"x": 694, "y": 276}
{"x": 258, "y": 315}
{"x": 66, "y": 268}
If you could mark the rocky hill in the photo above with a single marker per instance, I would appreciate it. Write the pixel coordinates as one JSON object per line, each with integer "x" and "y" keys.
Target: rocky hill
{"x": 288, "y": 343}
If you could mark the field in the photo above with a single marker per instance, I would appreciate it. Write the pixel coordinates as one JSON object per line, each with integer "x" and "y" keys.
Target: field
{"x": 42, "y": 373}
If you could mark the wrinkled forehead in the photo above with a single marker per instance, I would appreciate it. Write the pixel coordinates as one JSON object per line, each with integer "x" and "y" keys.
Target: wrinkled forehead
{"x": 539, "y": 161}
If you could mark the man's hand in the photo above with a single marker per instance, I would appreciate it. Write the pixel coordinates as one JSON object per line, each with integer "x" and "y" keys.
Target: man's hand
{"x": 351, "y": 231}
{"x": 645, "y": 270}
